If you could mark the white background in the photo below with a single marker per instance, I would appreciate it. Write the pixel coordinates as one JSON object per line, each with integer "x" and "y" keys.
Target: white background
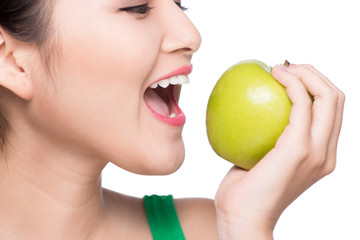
{"x": 324, "y": 33}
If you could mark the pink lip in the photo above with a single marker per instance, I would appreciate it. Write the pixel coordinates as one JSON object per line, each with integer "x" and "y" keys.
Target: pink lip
{"x": 179, "y": 119}
{"x": 185, "y": 70}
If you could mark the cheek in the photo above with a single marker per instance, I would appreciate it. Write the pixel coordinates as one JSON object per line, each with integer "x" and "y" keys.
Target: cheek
{"x": 96, "y": 100}
{"x": 106, "y": 69}
{"x": 111, "y": 49}
{"x": 107, "y": 64}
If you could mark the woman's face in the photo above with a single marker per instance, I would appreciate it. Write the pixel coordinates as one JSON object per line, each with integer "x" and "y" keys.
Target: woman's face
{"x": 99, "y": 102}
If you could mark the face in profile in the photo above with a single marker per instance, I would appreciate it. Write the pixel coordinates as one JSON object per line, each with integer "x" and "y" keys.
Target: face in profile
{"x": 113, "y": 92}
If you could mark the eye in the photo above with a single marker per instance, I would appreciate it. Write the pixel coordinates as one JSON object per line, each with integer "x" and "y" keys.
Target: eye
{"x": 181, "y": 6}
{"x": 139, "y": 9}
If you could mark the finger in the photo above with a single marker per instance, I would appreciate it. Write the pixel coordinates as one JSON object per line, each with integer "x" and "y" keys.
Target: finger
{"x": 325, "y": 102}
{"x": 300, "y": 116}
{"x": 315, "y": 83}
{"x": 340, "y": 108}
{"x": 315, "y": 71}
{"x": 334, "y": 137}
{"x": 338, "y": 119}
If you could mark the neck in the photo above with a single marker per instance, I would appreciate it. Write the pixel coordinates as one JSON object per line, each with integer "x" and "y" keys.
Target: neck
{"x": 49, "y": 195}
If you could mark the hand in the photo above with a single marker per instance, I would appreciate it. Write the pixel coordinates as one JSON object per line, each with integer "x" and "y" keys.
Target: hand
{"x": 249, "y": 204}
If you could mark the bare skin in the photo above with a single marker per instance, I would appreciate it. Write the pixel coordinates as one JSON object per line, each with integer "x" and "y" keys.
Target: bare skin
{"x": 65, "y": 129}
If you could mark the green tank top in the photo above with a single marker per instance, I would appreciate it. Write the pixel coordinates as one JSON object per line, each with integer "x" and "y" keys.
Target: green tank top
{"x": 162, "y": 217}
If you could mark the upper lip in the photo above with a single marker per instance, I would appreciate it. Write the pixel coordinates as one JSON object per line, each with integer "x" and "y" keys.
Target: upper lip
{"x": 184, "y": 70}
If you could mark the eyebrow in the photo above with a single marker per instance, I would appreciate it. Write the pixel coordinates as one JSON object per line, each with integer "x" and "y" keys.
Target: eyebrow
{"x": 133, "y": 2}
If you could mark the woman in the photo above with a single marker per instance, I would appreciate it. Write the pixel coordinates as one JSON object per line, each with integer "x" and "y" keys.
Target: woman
{"x": 85, "y": 83}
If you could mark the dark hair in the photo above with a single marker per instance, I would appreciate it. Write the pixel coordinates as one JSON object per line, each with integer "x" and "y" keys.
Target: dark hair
{"x": 27, "y": 21}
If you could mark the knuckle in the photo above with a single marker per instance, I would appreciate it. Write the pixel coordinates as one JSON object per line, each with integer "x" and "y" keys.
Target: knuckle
{"x": 307, "y": 102}
{"x": 303, "y": 150}
{"x": 301, "y": 67}
{"x": 309, "y": 66}
{"x": 323, "y": 163}
{"x": 327, "y": 165}
{"x": 319, "y": 159}
{"x": 331, "y": 95}
{"x": 306, "y": 67}
{"x": 330, "y": 167}
{"x": 342, "y": 97}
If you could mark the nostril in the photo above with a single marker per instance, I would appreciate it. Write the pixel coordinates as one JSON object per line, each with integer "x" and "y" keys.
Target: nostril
{"x": 187, "y": 49}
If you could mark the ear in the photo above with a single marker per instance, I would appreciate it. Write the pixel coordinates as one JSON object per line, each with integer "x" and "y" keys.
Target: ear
{"x": 12, "y": 75}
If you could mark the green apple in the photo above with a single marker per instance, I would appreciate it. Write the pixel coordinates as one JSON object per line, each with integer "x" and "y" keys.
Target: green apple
{"x": 246, "y": 113}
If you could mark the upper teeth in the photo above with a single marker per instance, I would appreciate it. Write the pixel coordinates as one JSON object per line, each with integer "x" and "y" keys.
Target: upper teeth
{"x": 180, "y": 79}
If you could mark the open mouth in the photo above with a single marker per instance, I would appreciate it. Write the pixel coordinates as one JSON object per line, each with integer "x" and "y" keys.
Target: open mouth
{"x": 161, "y": 99}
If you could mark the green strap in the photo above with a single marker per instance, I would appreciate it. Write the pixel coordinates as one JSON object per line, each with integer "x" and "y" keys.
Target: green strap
{"x": 163, "y": 220}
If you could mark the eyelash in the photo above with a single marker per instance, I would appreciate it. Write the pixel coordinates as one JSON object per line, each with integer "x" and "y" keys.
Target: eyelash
{"x": 144, "y": 8}
{"x": 181, "y": 6}
{"x": 139, "y": 9}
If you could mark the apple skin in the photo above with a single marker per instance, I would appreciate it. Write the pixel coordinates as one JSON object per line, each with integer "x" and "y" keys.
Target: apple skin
{"x": 246, "y": 113}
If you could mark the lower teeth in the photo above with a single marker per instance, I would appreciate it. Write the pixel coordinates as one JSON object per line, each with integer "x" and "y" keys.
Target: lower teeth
{"x": 172, "y": 115}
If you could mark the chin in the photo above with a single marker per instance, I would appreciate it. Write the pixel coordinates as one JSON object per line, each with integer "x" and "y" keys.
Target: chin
{"x": 153, "y": 161}
{"x": 164, "y": 163}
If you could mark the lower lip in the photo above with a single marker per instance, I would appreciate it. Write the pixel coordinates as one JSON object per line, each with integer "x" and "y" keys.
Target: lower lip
{"x": 177, "y": 121}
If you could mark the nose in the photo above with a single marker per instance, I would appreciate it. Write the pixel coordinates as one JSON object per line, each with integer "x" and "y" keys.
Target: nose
{"x": 180, "y": 34}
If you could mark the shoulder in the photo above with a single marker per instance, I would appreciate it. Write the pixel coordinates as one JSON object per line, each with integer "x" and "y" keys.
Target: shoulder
{"x": 124, "y": 216}
{"x": 197, "y": 217}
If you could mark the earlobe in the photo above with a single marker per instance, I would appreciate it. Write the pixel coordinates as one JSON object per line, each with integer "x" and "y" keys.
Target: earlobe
{"x": 12, "y": 76}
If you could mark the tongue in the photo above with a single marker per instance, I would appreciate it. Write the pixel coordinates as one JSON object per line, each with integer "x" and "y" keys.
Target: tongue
{"x": 156, "y": 103}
